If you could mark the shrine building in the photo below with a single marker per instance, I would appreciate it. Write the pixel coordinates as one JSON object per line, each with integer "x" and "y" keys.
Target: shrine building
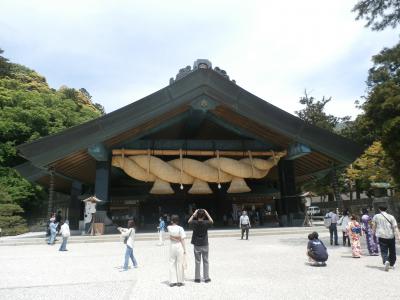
{"x": 200, "y": 142}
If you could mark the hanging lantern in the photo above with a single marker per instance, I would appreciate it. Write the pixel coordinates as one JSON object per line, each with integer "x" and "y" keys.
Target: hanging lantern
{"x": 200, "y": 187}
{"x": 238, "y": 185}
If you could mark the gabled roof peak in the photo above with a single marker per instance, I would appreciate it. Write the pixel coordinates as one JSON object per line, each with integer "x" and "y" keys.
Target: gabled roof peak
{"x": 198, "y": 64}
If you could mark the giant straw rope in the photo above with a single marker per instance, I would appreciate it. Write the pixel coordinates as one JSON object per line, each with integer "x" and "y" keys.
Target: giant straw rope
{"x": 181, "y": 171}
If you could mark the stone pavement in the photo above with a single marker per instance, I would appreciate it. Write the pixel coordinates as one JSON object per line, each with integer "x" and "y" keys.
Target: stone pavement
{"x": 265, "y": 267}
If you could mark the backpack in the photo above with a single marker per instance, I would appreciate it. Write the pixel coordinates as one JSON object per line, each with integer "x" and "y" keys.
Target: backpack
{"x": 327, "y": 221}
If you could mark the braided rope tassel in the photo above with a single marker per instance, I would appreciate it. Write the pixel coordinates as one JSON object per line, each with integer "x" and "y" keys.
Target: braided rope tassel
{"x": 181, "y": 160}
{"x": 273, "y": 155}
{"x": 148, "y": 166}
{"x": 219, "y": 170}
{"x": 252, "y": 165}
{"x": 123, "y": 157}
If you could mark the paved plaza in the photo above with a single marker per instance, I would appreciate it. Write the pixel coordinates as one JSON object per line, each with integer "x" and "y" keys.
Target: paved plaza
{"x": 265, "y": 267}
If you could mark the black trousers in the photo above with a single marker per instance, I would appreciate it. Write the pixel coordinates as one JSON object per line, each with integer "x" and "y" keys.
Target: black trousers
{"x": 245, "y": 228}
{"x": 346, "y": 238}
{"x": 388, "y": 250}
{"x": 316, "y": 258}
{"x": 333, "y": 233}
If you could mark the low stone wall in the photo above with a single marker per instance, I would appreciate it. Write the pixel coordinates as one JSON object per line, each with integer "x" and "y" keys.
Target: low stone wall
{"x": 356, "y": 205}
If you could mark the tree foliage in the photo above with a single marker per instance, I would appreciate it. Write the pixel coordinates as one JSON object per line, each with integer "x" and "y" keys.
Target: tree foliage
{"x": 382, "y": 104}
{"x": 314, "y": 113}
{"x": 30, "y": 109}
{"x": 11, "y": 222}
{"x": 371, "y": 166}
{"x": 379, "y": 14}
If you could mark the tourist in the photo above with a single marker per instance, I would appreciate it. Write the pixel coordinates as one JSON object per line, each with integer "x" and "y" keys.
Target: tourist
{"x": 128, "y": 235}
{"x": 331, "y": 220}
{"x": 244, "y": 224}
{"x": 344, "y": 222}
{"x": 316, "y": 250}
{"x": 201, "y": 221}
{"x": 58, "y": 220}
{"x": 65, "y": 233}
{"x": 53, "y": 231}
{"x": 176, "y": 252}
{"x": 372, "y": 242}
{"x": 385, "y": 228}
{"x": 161, "y": 229}
{"x": 354, "y": 232}
{"x": 52, "y": 217}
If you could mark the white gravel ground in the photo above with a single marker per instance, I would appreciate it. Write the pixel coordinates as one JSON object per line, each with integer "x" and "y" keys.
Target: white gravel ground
{"x": 265, "y": 267}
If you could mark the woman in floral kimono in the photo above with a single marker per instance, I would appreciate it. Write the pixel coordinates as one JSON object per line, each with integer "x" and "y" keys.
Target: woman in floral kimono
{"x": 354, "y": 232}
{"x": 370, "y": 237}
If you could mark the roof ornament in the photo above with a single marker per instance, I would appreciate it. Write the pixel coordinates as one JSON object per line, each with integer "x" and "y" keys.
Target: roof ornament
{"x": 198, "y": 64}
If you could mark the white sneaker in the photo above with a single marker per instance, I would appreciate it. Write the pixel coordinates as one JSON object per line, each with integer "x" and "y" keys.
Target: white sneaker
{"x": 387, "y": 265}
{"x": 393, "y": 267}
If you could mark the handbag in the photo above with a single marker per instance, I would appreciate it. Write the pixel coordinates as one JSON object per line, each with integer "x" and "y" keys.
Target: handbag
{"x": 327, "y": 221}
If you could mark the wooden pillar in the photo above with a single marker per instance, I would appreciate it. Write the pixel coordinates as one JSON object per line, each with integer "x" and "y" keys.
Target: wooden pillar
{"x": 102, "y": 183}
{"x": 50, "y": 207}
{"x": 75, "y": 211}
{"x": 289, "y": 202}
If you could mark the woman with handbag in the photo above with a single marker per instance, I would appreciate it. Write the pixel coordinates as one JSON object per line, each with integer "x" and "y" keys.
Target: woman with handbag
{"x": 128, "y": 235}
{"x": 343, "y": 223}
{"x": 372, "y": 242}
{"x": 354, "y": 232}
{"x": 177, "y": 252}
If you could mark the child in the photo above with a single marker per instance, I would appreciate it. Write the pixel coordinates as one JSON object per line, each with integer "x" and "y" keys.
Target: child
{"x": 316, "y": 250}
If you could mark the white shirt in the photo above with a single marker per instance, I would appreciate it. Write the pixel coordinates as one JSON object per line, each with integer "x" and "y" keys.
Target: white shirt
{"x": 345, "y": 223}
{"x": 244, "y": 220}
{"x": 383, "y": 227}
{"x": 64, "y": 230}
{"x": 176, "y": 231}
{"x": 128, "y": 232}
{"x": 334, "y": 217}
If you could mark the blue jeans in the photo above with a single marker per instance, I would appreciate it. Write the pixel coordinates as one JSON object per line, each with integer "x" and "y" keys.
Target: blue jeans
{"x": 129, "y": 254}
{"x": 63, "y": 246}
{"x": 333, "y": 233}
{"x": 52, "y": 238}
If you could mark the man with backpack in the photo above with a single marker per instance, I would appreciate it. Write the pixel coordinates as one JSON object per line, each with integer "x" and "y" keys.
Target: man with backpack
{"x": 330, "y": 222}
{"x": 385, "y": 228}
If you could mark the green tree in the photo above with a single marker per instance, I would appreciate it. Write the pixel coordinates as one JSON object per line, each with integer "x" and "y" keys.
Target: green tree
{"x": 314, "y": 113}
{"x": 370, "y": 167}
{"x": 379, "y": 14}
{"x": 382, "y": 104}
{"x": 11, "y": 222}
{"x": 30, "y": 109}
{"x": 4, "y": 65}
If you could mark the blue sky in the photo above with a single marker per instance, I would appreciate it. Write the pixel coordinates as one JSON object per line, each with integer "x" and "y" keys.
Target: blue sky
{"x": 121, "y": 51}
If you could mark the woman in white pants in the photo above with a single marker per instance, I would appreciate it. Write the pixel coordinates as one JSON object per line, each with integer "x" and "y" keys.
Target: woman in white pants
{"x": 176, "y": 252}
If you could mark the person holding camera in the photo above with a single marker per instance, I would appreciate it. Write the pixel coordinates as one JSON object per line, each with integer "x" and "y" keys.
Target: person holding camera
{"x": 128, "y": 236}
{"x": 201, "y": 221}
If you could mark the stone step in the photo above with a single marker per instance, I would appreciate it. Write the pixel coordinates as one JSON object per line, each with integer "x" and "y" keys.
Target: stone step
{"x": 20, "y": 241}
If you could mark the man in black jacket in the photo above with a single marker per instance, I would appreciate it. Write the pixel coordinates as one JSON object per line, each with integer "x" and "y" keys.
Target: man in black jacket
{"x": 201, "y": 221}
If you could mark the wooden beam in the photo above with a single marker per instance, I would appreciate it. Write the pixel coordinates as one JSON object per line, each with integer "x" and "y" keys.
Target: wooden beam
{"x": 190, "y": 152}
